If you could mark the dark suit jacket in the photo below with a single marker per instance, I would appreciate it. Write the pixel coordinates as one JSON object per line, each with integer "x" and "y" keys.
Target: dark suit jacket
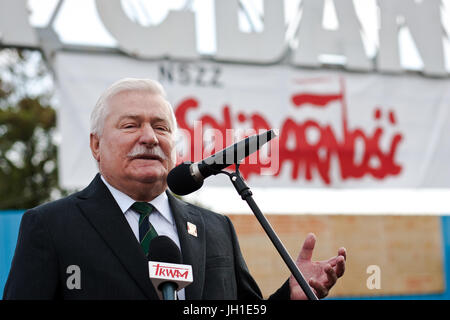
{"x": 88, "y": 230}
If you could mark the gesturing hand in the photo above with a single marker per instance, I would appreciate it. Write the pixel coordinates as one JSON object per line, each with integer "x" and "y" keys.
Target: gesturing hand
{"x": 321, "y": 275}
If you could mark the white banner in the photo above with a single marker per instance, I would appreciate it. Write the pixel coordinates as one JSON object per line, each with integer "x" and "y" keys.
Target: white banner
{"x": 337, "y": 129}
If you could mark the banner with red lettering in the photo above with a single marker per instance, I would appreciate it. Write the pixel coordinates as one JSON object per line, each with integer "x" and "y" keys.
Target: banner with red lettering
{"x": 336, "y": 129}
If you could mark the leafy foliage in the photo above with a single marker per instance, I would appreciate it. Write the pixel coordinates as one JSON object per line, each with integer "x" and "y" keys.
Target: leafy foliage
{"x": 28, "y": 152}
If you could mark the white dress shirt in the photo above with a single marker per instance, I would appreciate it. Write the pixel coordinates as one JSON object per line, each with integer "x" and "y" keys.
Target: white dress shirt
{"x": 162, "y": 220}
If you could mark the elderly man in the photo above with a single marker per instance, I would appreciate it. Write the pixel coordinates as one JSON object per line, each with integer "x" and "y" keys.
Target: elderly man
{"x": 93, "y": 244}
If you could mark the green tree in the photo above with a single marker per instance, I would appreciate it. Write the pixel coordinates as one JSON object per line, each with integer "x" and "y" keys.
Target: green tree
{"x": 28, "y": 152}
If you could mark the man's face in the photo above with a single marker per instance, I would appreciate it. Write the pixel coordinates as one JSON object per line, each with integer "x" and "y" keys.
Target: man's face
{"x": 137, "y": 143}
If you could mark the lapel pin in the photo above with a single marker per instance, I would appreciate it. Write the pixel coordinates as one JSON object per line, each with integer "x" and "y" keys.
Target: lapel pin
{"x": 192, "y": 229}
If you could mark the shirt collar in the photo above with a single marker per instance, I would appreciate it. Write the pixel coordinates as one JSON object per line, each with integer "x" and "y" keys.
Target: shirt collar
{"x": 161, "y": 202}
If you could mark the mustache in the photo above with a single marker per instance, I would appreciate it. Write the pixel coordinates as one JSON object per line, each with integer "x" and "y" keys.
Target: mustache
{"x": 142, "y": 150}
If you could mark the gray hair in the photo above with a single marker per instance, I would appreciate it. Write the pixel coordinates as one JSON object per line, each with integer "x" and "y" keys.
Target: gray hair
{"x": 100, "y": 111}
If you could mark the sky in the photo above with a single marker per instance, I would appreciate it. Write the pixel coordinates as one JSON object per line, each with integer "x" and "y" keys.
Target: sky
{"x": 78, "y": 23}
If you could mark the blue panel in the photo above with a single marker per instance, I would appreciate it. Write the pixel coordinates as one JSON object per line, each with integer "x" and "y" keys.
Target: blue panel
{"x": 9, "y": 229}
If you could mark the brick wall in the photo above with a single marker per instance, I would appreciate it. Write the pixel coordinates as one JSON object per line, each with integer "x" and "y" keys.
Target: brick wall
{"x": 408, "y": 250}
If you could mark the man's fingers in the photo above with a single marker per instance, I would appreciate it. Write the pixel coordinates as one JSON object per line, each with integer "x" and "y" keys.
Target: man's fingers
{"x": 340, "y": 266}
{"x": 331, "y": 276}
{"x": 320, "y": 289}
{"x": 308, "y": 247}
{"x": 342, "y": 252}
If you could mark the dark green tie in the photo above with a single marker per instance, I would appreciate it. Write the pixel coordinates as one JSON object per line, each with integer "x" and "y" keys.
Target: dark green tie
{"x": 146, "y": 231}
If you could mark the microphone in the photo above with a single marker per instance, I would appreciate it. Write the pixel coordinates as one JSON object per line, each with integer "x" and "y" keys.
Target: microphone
{"x": 188, "y": 177}
{"x": 166, "y": 272}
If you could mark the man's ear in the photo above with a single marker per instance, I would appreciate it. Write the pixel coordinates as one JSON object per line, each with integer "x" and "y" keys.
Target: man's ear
{"x": 95, "y": 146}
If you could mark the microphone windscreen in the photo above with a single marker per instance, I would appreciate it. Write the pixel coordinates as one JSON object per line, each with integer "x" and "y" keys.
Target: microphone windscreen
{"x": 163, "y": 249}
{"x": 180, "y": 180}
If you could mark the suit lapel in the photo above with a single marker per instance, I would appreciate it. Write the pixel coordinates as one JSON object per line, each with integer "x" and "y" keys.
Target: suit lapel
{"x": 102, "y": 211}
{"x": 193, "y": 248}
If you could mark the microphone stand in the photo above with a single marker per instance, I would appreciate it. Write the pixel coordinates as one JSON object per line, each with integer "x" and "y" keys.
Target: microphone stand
{"x": 169, "y": 291}
{"x": 246, "y": 195}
